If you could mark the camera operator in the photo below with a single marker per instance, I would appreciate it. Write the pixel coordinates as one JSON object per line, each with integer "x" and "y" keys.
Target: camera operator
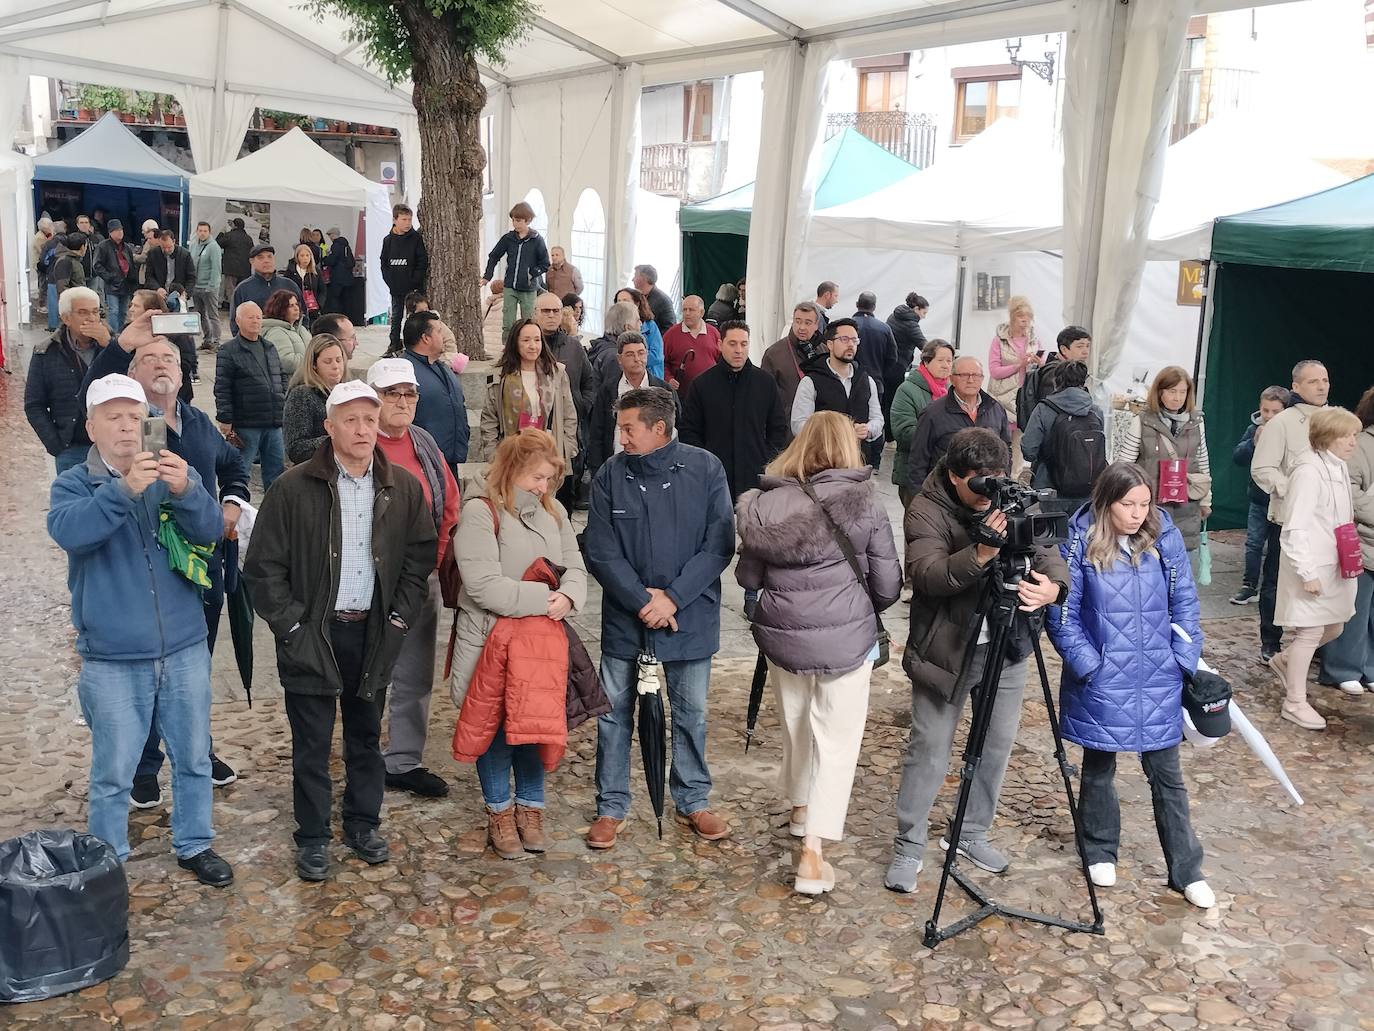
{"x": 953, "y": 537}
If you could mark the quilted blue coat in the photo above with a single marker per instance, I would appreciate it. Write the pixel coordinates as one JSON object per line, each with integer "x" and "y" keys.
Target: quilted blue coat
{"x": 1122, "y": 688}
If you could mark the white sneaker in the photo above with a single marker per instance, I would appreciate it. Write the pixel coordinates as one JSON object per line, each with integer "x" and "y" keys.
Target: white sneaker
{"x": 1104, "y": 874}
{"x": 1200, "y": 895}
{"x": 1352, "y": 687}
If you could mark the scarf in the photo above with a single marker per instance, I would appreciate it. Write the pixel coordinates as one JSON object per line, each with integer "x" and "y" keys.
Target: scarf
{"x": 514, "y": 403}
{"x": 938, "y": 387}
{"x": 1175, "y": 420}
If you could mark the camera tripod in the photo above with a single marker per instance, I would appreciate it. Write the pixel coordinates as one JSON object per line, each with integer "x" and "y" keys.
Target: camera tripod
{"x": 998, "y": 608}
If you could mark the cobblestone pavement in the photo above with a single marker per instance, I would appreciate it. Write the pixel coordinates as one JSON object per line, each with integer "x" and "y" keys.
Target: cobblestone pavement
{"x": 683, "y": 934}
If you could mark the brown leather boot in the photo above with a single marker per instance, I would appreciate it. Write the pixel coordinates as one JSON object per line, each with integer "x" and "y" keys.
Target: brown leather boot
{"x": 529, "y": 821}
{"x": 706, "y": 824}
{"x": 504, "y": 837}
{"x": 603, "y": 831}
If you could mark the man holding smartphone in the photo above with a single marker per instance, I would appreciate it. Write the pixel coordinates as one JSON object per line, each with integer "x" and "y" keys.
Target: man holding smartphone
{"x": 141, "y": 651}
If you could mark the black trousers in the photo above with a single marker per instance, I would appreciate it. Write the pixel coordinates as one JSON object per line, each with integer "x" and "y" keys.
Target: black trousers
{"x": 312, "y": 733}
{"x": 398, "y": 315}
{"x": 1271, "y": 636}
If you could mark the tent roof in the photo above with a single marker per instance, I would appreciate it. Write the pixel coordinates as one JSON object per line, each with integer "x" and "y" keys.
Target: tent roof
{"x": 292, "y": 168}
{"x": 852, "y": 166}
{"x": 1331, "y": 230}
{"x": 108, "y": 154}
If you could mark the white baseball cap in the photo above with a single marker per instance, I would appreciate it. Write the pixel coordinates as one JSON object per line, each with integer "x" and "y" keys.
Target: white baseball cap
{"x": 387, "y": 372}
{"x": 350, "y": 390}
{"x": 112, "y": 386}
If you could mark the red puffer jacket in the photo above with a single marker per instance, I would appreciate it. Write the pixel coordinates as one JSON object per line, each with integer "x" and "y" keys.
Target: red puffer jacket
{"x": 521, "y": 682}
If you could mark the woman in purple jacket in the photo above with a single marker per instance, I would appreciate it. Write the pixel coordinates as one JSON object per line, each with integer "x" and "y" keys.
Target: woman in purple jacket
{"x": 814, "y": 621}
{"x": 1122, "y": 688}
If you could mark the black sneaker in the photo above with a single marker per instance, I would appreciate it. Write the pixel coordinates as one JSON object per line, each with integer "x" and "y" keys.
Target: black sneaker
{"x": 1247, "y": 595}
{"x": 221, "y": 773}
{"x": 146, "y": 794}
{"x": 418, "y": 781}
{"x": 312, "y": 862}
{"x": 370, "y": 846}
{"x": 209, "y": 868}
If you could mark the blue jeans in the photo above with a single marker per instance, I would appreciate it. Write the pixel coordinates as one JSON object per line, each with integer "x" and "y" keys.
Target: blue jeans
{"x": 690, "y": 782}
{"x": 494, "y": 767}
{"x": 72, "y": 457}
{"x": 118, "y": 310}
{"x": 212, "y": 601}
{"x": 118, "y": 700}
{"x": 1256, "y": 530}
{"x": 267, "y": 443}
{"x": 52, "y": 306}
{"x": 1351, "y": 656}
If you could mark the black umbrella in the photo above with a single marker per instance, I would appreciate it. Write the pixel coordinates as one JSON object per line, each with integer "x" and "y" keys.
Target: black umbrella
{"x": 751, "y": 717}
{"x": 240, "y": 616}
{"x": 653, "y": 747}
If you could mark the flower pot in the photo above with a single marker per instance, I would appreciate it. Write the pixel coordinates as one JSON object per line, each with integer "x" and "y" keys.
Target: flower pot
{"x": 126, "y": 117}
{"x": 85, "y": 114}
{"x": 269, "y": 123}
{"x": 181, "y": 119}
{"x": 168, "y": 118}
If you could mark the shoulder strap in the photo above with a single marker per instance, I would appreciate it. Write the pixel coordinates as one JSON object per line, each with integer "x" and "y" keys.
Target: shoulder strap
{"x": 847, "y": 549}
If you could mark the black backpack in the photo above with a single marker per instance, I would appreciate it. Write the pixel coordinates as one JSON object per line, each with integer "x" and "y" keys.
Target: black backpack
{"x": 1076, "y": 451}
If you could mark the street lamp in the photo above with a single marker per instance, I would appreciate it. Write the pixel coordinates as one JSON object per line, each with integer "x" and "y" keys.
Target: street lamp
{"x": 1044, "y": 69}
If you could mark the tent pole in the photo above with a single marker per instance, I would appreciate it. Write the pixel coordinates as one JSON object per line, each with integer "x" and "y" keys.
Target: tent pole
{"x": 959, "y": 302}
{"x": 1203, "y": 319}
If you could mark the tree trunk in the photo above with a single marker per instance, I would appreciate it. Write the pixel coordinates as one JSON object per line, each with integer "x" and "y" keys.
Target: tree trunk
{"x": 449, "y": 98}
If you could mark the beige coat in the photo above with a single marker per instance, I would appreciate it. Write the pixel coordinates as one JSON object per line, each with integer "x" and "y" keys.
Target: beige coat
{"x": 1361, "y": 466}
{"x": 1281, "y": 443}
{"x": 1318, "y": 501}
{"x": 492, "y": 571}
{"x": 562, "y": 424}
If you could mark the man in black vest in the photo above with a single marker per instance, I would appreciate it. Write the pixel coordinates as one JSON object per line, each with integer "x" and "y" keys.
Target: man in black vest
{"x": 834, "y": 384}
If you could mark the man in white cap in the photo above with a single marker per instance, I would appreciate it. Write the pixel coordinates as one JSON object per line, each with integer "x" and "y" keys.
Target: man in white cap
{"x": 140, "y": 650}
{"x": 338, "y": 567}
{"x": 414, "y": 450}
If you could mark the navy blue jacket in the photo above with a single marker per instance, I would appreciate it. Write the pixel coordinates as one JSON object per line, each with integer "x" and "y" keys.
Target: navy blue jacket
{"x": 661, "y": 520}
{"x": 1122, "y": 686}
{"x": 877, "y": 353}
{"x": 114, "y": 560}
{"x": 441, "y": 409}
{"x": 1244, "y": 454}
{"x": 526, "y": 259}
{"x": 53, "y": 401}
{"x": 257, "y": 290}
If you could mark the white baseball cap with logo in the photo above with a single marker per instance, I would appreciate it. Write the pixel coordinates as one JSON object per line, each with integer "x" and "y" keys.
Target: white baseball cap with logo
{"x": 350, "y": 390}
{"x": 388, "y": 372}
{"x": 113, "y": 386}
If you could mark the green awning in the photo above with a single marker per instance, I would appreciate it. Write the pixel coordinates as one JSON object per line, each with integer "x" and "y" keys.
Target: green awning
{"x": 852, "y": 166}
{"x": 1332, "y": 230}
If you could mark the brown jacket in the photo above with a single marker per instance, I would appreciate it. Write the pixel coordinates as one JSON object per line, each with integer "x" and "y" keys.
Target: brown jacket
{"x": 946, "y": 585}
{"x": 782, "y": 362}
{"x": 292, "y": 569}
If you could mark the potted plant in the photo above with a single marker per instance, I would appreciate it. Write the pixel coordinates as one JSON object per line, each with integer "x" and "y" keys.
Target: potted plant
{"x": 170, "y": 109}
{"x": 139, "y": 105}
{"x": 94, "y": 100}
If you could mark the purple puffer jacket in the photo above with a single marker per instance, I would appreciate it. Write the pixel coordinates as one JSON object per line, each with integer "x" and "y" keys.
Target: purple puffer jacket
{"x": 812, "y": 615}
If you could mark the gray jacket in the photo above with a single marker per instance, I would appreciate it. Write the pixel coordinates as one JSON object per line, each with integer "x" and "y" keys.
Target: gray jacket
{"x": 1361, "y": 465}
{"x": 812, "y": 615}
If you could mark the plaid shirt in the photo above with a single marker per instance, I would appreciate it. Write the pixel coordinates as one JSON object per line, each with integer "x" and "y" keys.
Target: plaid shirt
{"x": 356, "y": 575}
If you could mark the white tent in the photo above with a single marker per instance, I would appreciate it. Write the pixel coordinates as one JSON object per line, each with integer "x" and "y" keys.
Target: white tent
{"x": 305, "y": 185}
{"x": 16, "y": 224}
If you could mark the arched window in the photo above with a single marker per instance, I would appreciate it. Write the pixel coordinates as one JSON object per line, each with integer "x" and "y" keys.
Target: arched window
{"x": 535, "y": 199}
{"x": 589, "y": 255}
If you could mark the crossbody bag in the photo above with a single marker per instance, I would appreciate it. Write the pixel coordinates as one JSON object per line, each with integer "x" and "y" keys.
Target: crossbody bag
{"x": 847, "y": 549}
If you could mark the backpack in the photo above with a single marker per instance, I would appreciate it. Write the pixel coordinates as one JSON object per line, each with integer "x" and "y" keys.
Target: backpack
{"x": 47, "y": 257}
{"x": 450, "y": 579}
{"x": 1076, "y": 451}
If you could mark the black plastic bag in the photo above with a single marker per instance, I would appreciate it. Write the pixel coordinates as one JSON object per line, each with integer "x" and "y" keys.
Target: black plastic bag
{"x": 64, "y": 914}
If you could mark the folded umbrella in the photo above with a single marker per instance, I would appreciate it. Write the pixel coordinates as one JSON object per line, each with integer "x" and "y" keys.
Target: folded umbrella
{"x": 653, "y": 747}
{"x": 240, "y": 608}
{"x": 751, "y": 716}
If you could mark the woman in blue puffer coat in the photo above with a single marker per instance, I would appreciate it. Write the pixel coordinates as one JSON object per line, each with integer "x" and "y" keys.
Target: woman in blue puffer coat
{"x": 1122, "y": 689}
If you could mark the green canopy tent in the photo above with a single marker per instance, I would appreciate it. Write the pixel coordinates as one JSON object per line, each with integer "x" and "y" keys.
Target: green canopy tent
{"x": 715, "y": 232}
{"x": 1293, "y": 281}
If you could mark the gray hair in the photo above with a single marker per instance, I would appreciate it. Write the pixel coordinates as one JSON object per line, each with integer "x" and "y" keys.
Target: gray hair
{"x": 967, "y": 358}
{"x": 649, "y": 273}
{"x": 620, "y": 318}
{"x": 631, "y": 336}
{"x": 810, "y": 306}
{"x": 728, "y": 293}
{"x": 654, "y": 405}
{"x": 73, "y": 294}
{"x": 1306, "y": 363}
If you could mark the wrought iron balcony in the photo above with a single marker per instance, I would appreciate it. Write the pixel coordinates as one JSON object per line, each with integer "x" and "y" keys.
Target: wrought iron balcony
{"x": 908, "y": 135}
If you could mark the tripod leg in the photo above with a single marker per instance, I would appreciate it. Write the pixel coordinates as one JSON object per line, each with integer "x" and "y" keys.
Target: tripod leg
{"x": 1065, "y": 771}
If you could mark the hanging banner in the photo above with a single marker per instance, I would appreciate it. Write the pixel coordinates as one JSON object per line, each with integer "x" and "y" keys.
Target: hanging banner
{"x": 1189, "y": 284}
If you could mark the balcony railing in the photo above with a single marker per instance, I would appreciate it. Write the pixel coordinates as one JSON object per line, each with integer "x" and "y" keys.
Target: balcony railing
{"x": 908, "y": 135}
{"x": 687, "y": 171}
{"x": 1205, "y": 93}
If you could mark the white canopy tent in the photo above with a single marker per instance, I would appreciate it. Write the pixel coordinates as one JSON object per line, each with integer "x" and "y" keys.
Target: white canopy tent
{"x": 305, "y": 186}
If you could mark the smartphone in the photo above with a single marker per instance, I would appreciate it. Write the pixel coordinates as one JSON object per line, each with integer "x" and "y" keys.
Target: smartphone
{"x": 154, "y": 435}
{"x": 176, "y": 322}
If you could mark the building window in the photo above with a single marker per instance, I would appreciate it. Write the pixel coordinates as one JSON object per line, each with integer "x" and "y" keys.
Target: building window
{"x": 983, "y": 95}
{"x": 589, "y": 255}
{"x": 698, "y": 103}
{"x": 882, "y": 82}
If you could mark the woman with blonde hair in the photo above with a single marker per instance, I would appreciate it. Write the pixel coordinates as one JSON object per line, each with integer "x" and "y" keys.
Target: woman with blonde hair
{"x": 304, "y": 271}
{"x": 818, "y": 548}
{"x": 1015, "y": 349}
{"x": 1130, "y": 583}
{"x": 323, "y": 369}
{"x": 530, "y": 388}
{"x": 1171, "y": 429}
{"x": 512, "y": 520}
{"x": 1314, "y": 598}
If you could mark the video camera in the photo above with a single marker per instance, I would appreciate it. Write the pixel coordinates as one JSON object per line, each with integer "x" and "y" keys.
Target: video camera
{"x": 1026, "y": 530}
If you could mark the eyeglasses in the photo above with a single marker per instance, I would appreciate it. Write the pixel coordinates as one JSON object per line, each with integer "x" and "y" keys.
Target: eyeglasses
{"x": 846, "y": 340}
{"x": 160, "y": 359}
{"x": 967, "y": 375}
{"x": 548, "y": 311}
{"x": 401, "y": 395}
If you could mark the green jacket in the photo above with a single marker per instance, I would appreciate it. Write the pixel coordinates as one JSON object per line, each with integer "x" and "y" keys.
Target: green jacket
{"x": 292, "y": 342}
{"x": 207, "y": 259}
{"x": 907, "y": 405}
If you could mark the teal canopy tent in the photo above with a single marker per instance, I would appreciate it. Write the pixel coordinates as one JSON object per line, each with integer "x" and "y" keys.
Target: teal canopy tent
{"x": 1293, "y": 281}
{"x": 715, "y": 232}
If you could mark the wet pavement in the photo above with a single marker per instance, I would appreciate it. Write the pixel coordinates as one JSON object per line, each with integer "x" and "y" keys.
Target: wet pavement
{"x": 685, "y": 934}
